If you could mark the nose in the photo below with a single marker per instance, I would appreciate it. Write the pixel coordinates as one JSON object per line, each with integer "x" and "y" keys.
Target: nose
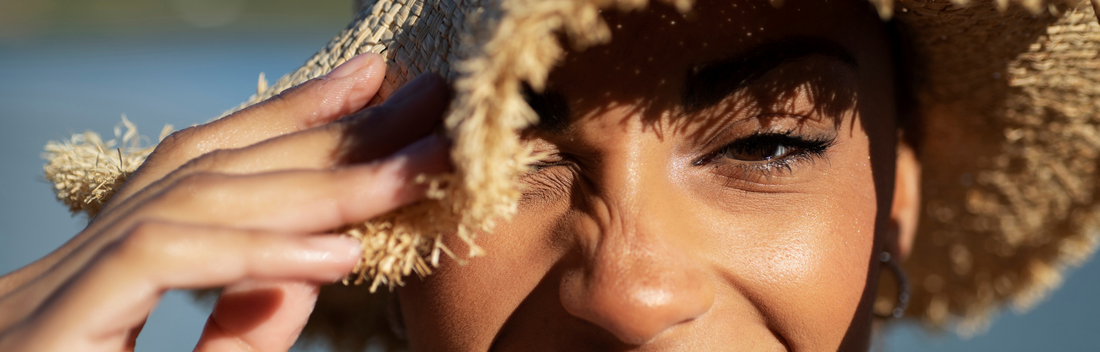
{"x": 636, "y": 287}
{"x": 638, "y": 272}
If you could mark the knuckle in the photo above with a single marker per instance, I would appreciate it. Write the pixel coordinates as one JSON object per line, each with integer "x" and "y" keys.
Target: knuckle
{"x": 281, "y": 102}
{"x": 371, "y": 178}
{"x": 176, "y": 145}
{"x": 144, "y": 240}
{"x": 210, "y": 161}
{"x": 189, "y": 192}
{"x": 206, "y": 189}
{"x": 179, "y": 136}
{"x": 279, "y": 99}
{"x": 196, "y": 181}
{"x": 283, "y": 98}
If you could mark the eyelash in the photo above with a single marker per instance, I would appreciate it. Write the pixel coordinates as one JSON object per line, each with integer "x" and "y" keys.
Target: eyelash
{"x": 539, "y": 165}
{"x": 799, "y": 149}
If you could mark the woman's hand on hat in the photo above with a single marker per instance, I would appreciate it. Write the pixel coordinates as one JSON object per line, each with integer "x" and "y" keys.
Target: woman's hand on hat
{"x": 240, "y": 203}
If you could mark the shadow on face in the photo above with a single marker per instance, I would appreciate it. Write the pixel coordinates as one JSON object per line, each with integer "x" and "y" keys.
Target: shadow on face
{"x": 715, "y": 180}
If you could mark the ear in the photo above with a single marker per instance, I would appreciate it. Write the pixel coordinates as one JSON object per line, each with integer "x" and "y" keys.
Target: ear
{"x": 905, "y": 212}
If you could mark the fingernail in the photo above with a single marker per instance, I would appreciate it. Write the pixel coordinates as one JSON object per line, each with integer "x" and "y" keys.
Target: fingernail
{"x": 354, "y": 65}
{"x": 341, "y": 248}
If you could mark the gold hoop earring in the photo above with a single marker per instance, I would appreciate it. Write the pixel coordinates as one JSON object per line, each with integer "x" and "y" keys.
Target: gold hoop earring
{"x": 903, "y": 286}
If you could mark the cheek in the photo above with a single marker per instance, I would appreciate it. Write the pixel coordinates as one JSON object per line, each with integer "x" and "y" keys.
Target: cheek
{"x": 800, "y": 259}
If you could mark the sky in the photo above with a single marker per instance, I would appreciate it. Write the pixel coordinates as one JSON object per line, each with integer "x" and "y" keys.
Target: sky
{"x": 72, "y": 65}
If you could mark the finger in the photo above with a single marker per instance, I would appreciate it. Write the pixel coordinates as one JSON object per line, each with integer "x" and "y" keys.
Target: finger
{"x": 343, "y": 91}
{"x": 294, "y": 200}
{"x": 374, "y": 133}
{"x": 412, "y": 112}
{"x": 366, "y": 136}
{"x": 98, "y": 309}
{"x": 262, "y": 315}
{"x": 304, "y": 200}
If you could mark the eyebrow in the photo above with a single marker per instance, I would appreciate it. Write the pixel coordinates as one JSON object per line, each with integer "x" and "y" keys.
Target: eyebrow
{"x": 708, "y": 84}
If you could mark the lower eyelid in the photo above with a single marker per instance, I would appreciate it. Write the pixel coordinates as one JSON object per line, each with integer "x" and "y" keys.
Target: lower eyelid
{"x": 762, "y": 172}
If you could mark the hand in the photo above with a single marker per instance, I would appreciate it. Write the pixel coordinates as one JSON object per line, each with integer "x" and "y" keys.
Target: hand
{"x": 238, "y": 202}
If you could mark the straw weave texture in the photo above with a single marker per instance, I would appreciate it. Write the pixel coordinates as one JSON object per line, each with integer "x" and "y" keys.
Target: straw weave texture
{"x": 1010, "y": 152}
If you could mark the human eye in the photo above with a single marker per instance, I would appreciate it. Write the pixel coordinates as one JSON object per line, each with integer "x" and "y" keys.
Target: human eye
{"x": 764, "y": 155}
{"x": 772, "y": 147}
{"x": 545, "y": 161}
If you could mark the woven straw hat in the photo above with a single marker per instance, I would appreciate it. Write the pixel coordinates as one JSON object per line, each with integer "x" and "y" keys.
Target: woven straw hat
{"x": 1007, "y": 94}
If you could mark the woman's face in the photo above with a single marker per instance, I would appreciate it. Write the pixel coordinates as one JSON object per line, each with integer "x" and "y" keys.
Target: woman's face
{"x": 719, "y": 180}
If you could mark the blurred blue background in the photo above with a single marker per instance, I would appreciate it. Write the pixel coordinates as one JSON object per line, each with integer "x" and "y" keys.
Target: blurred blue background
{"x": 72, "y": 65}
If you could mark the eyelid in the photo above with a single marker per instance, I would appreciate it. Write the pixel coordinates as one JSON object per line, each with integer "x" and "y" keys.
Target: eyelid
{"x": 761, "y": 123}
{"x": 711, "y": 143}
{"x": 811, "y": 145}
{"x": 811, "y": 150}
{"x": 538, "y": 165}
{"x": 548, "y": 182}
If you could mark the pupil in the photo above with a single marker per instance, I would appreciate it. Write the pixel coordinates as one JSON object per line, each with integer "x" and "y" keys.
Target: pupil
{"x": 778, "y": 151}
{"x": 759, "y": 152}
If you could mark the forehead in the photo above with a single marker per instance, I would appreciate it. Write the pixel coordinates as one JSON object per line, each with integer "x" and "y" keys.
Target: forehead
{"x": 652, "y": 50}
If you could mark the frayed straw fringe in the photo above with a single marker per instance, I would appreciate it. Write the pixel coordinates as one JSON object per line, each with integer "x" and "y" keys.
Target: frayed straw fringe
{"x": 86, "y": 171}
